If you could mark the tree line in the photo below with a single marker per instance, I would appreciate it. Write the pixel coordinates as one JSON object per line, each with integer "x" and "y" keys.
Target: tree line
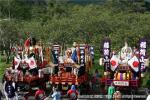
{"x": 65, "y": 21}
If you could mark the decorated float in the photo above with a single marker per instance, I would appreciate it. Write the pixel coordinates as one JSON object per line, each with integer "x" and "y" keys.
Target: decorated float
{"x": 73, "y": 67}
{"x": 35, "y": 65}
{"x": 125, "y": 69}
{"x": 30, "y": 66}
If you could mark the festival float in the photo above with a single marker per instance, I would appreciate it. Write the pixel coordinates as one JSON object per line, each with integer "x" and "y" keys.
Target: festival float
{"x": 73, "y": 67}
{"x": 30, "y": 66}
{"x": 125, "y": 68}
{"x": 35, "y": 65}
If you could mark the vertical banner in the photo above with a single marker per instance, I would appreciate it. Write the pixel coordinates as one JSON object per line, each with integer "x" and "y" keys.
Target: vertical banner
{"x": 106, "y": 54}
{"x": 92, "y": 53}
{"x": 143, "y": 46}
{"x": 56, "y": 53}
{"x": 82, "y": 55}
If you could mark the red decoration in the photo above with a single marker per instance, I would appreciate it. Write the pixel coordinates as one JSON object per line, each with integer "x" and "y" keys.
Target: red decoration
{"x": 27, "y": 42}
{"x": 113, "y": 63}
{"x": 135, "y": 63}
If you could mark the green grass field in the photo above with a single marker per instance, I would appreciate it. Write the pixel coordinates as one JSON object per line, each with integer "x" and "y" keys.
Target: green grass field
{"x": 3, "y": 66}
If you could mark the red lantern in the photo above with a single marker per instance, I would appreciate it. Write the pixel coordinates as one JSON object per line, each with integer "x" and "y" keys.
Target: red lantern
{"x": 27, "y": 42}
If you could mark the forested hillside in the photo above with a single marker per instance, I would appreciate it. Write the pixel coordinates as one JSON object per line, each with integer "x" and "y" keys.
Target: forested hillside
{"x": 65, "y": 21}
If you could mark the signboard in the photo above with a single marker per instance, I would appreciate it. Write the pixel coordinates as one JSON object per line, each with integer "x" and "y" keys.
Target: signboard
{"x": 121, "y": 83}
{"x": 143, "y": 47}
{"x": 82, "y": 55}
{"x": 106, "y": 54}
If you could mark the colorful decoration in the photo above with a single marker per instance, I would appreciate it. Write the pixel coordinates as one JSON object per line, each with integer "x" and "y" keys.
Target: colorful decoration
{"x": 114, "y": 62}
{"x": 17, "y": 61}
{"x": 32, "y": 63}
{"x": 126, "y": 53}
{"x": 134, "y": 63}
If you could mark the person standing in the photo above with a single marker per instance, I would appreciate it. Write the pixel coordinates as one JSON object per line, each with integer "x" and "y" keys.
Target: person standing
{"x": 9, "y": 89}
{"x": 56, "y": 94}
{"x": 72, "y": 93}
{"x": 111, "y": 91}
{"x": 117, "y": 94}
{"x": 40, "y": 94}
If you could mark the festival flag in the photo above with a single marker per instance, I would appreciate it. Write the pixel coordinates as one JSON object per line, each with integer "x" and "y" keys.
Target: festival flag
{"x": 16, "y": 62}
{"x": 32, "y": 63}
{"x": 27, "y": 42}
{"x": 134, "y": 63}
{"x": 114, "y": 61}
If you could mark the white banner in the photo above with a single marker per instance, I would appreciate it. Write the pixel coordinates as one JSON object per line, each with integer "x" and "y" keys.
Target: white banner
{"x": 121, "y": 83}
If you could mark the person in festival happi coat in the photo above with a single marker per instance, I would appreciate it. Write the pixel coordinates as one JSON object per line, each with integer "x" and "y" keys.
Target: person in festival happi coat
{"x": 10, "y": 89}
{"x": 117, "y": 94}
{"x": 111, "y": 91}
{"x": 40, "y": 94}
{"x": 56, "y": 94}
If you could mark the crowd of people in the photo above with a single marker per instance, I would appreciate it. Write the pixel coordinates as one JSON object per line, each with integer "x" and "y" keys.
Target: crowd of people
{"x": 56, "y": 94}
{"x": 113, "y": 94}
{"x": 10, "y": 93}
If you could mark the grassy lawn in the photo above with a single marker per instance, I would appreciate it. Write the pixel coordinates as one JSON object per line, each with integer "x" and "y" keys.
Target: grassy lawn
{"x": 3, "y": 66}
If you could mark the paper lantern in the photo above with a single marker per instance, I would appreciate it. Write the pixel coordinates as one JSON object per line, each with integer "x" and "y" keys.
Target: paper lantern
{"x": 101, "y": 61}
{"x": 142, "y": 74}
{"x": 146, "y": 62}
{"x": 105, "y": 73}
